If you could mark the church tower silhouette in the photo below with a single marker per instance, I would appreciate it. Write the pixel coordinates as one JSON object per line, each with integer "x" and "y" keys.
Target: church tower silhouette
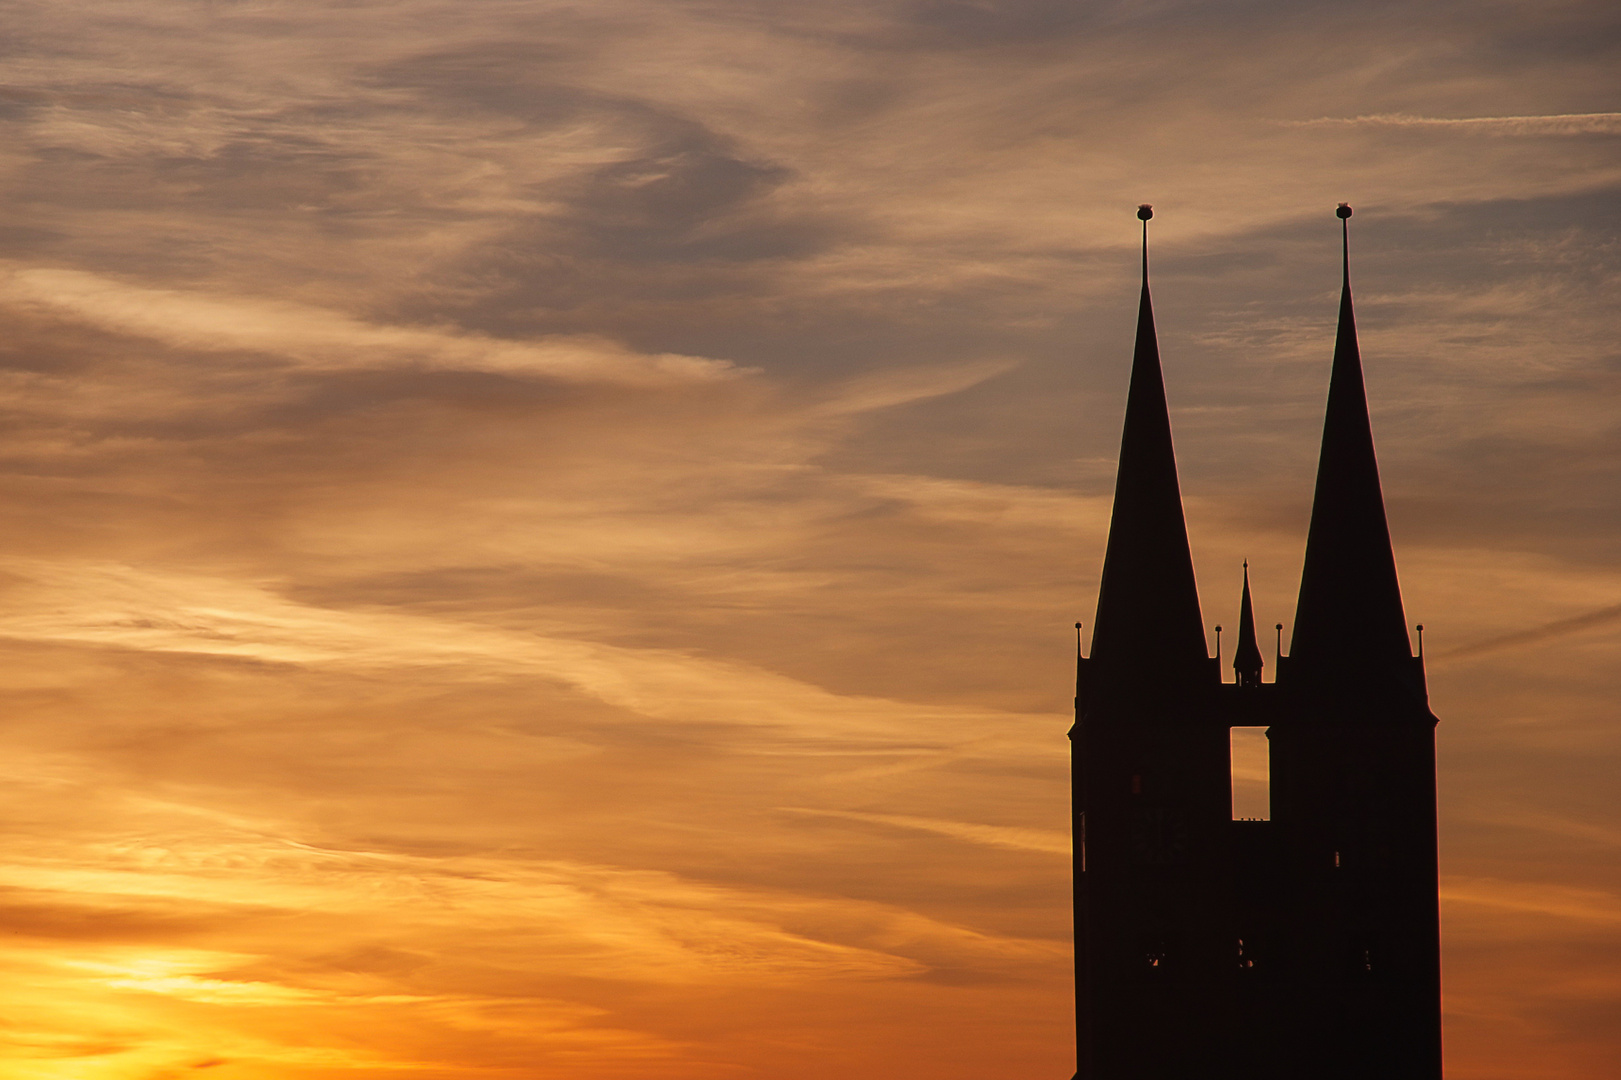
{"x": 1307, "y": 946}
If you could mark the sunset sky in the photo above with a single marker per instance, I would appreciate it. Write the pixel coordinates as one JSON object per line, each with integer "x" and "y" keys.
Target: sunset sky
{"x": 542, "y": 540}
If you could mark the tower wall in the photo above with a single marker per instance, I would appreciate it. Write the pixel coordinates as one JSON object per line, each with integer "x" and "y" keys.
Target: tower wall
{"x": 1154, "y": 798}
{"x": 1354, "y": 803}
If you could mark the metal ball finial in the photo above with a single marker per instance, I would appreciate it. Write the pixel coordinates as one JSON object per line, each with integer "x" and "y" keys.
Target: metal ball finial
{"x": 1144, "y": 212}
{"x": 1343, "y": 211}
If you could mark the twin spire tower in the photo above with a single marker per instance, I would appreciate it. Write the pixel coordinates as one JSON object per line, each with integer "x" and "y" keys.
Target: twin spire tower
{"x": 1307, "y": 946}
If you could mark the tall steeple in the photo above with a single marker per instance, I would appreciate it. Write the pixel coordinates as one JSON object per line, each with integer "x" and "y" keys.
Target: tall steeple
{"x": 1247, "y": 660}
{"x": 1349, "y": 620}
{"x": 1148, "y": 603}
{"x": 1306, "y": 944}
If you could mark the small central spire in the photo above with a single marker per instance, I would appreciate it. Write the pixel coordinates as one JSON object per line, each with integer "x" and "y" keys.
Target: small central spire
{"x": 1247, "y": 660}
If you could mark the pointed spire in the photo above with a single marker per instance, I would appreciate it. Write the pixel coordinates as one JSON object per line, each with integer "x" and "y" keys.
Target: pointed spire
{"x": 1247, "y": 660}
{"x": 1349, "y": 621}
{"x": 1148, "y": 606}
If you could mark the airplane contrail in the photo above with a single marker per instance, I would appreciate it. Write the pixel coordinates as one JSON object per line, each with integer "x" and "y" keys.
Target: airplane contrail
{"x": 1555, "y": 629}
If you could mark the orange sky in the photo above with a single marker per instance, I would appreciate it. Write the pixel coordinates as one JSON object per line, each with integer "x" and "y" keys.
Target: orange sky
{"x": 540, "y": 540}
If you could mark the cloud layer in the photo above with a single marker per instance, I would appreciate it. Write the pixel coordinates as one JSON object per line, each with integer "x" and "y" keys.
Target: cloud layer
{"x": 542, "y": 540}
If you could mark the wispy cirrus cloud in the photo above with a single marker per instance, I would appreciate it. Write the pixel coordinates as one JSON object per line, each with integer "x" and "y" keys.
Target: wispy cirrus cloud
{"x": 1580, "y": 905}
{"x": 141, "y": 609}
{"x": 1536, "y": 635}
{"x": 309, "y": 336}
{"x": 1020, "y": 839}
{"x": 492, "y": 943}
{"x": 1601, "y": 123}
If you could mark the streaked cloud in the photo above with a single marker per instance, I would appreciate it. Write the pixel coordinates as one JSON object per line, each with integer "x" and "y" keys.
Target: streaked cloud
{"x": 995, "y": 835}
{"x": 310, "y": 336}
{"x": 1536, "y": 635}
{"x": 150, "y": 612}
{"x": 1598, "y": 123}
{"x": 1582, "y": 905}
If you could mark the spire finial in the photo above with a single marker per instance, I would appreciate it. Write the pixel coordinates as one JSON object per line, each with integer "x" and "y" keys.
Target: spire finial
{"x": 1144, "y": 212}
{"x": 1343, "y": 212}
